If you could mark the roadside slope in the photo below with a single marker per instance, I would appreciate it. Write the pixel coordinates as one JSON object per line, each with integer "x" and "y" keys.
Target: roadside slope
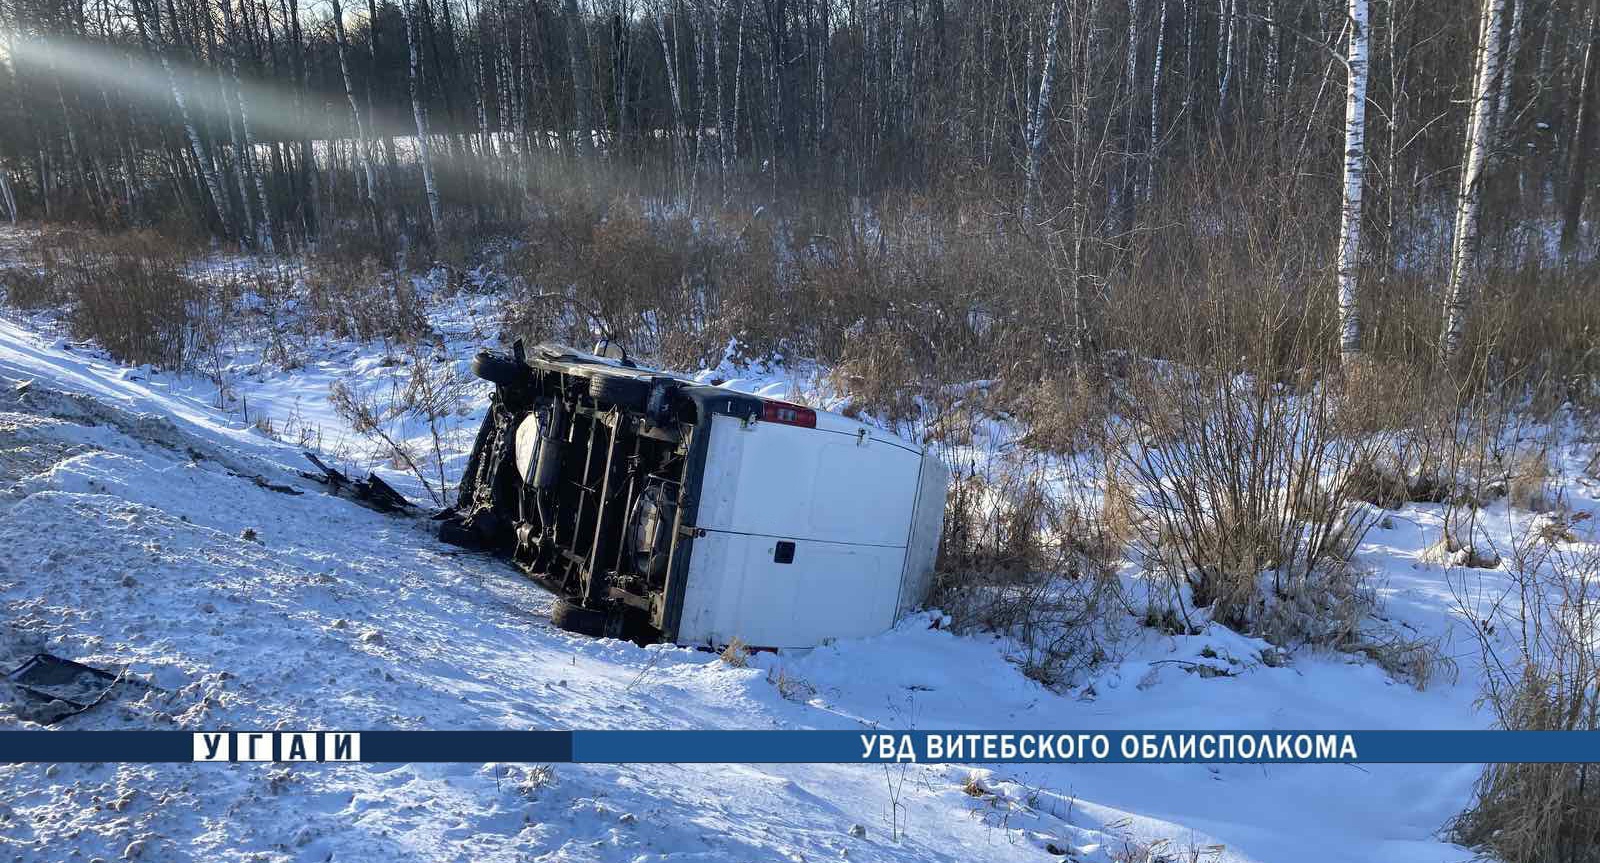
{"x": 133, "y": 534}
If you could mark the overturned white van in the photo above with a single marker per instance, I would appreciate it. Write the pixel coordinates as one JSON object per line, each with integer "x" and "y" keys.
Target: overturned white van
{"x": 660, "y": 507}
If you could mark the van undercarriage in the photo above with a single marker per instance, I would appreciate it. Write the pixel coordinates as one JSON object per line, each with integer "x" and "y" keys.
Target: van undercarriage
{"x": 581, "y": 474}
{"x": 589, "y": 474}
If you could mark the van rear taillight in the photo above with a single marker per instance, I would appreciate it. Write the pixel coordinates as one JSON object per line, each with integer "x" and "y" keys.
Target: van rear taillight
{"x": 788, "y": 414}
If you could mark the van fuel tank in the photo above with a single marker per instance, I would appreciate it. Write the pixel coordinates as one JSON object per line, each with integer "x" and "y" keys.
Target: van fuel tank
{"x": 538, "y": 447}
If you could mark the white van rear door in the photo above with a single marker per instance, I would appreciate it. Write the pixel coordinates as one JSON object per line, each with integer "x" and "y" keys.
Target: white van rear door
{"x": 781, "y": 480}
{"x": 802, "y": 535}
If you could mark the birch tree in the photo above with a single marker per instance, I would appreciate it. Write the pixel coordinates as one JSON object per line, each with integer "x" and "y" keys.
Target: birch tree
{"x": 669, "y": 52}
{"x": 362, "y": 145}
{"x": 920, "y": 96}
{"x": 738, "y": 78}
{"x": 1355, "y": 150}
{"x": 582, "y": 75}
{"x": 7, "y": 198}
{"x": 1508, "y": 68}
{"x": 1155, "y": 102}
{"x": 1039, "y": 118}
{"x": 207, "y": 170}
{"x": 1226, "y": 52}
{"x": 1130, "y": 76}
{"x": 1469, "y": 199}
{"x": 247, "y": 161}
{"x": 1582, "y": 136}
{"x": 419, "y": 111}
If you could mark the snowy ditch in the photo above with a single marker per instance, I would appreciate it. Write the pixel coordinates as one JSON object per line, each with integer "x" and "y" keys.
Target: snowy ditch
{"x": 135, "y": 536}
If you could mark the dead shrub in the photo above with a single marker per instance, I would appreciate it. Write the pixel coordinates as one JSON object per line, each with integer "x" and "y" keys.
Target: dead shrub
{"x": 131, "y": 293}
{"x": 1544, "y": 681}
{"x": 1529, "y": 483}
{"x": 1245, "y": 503}
{"x": 358, "y": 299}
{"x": 1033, "y": 566}
{"x": 140, "y": 309}
{"x": 615, "y": 269}
{"x": 881, "y": 377}
{"x": 1379, "y": 483}
{"x": 735, "y": 654}
{"x": 791, "y": 686}
{"x": 1066, "y": 413}
{"x": 30, "y": 290}
{"x": 434, "y": 393}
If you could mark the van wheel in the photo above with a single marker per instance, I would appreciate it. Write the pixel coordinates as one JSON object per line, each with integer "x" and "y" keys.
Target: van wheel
{"x": 497, "y": 369}
{"x": 626, "y": 393}
{"x": 572, "y": 617}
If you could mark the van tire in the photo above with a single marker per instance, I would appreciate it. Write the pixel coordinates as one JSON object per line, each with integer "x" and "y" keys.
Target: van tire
{"x": 497, "y": 369}
{"x": 626, "y": 393}
{"x": 572, "y": 617}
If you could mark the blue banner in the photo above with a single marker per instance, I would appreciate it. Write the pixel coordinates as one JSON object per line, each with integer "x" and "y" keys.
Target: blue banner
{"x": 832, "y": 747}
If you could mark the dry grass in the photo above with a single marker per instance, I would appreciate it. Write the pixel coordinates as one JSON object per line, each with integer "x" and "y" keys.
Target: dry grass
{"x": 130, "y": 294}
{"x": 736, "y": 654}
{"x": 30, "y": 290}
{"x": 1229, "y": 448}
{"x": 1529, "y": 481}
{"x": 791, "y": 686}
{"x": 1533, "y": 813}
{"x": 1019, "y": 560}
{"x": 360, "y": 299}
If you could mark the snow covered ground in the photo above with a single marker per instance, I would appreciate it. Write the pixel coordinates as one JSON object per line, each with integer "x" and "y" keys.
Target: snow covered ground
{"x": 138, "y": 530}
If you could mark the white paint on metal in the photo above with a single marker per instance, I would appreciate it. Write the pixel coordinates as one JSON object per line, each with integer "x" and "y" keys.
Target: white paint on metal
{"x": 850, "y": 511}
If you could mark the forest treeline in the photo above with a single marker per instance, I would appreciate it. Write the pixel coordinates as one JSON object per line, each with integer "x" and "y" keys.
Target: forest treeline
{"x": 1396, "y": 138}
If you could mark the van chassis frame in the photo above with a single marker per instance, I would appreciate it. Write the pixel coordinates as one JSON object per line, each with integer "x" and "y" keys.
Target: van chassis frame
{"x": 574, "y": 536}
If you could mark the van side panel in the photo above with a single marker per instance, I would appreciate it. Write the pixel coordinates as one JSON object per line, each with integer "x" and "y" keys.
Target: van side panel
{"x": 927, "y": 525}
{"x": 783, "y": 480}
{"x": 830, "y": 590}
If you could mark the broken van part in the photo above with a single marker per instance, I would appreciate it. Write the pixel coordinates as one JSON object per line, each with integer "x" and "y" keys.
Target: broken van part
{"x": 659, "y": 507}
{"x": 58, "y": 688}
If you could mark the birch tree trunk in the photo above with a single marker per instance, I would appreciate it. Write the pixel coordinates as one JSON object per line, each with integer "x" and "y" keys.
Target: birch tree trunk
{"x": 247, "y": 160}
{"x": 738, "y": 79}
{"x": 207, "y": 171}
{"x": 717, "y": 83}
{"x": 1225, "y": 48}
{"x": 1155, "y": 103}
{"x": 582, "y": 75}
{"x": 1355, "y": 150}
{"x": 247, "y": 221}
{"x": 482, "y": 110}
{"x": 1508, "y": 71}
{"x": 419, "y": 110}
{"x": 268, "y": 239}
{"x": 669, "y": 55}
{"x": 1130, "y": 73}
{"x": 1270, "y": 73}
{"x": 1039, "y": 118}
{"x": 1582, "y": 137}
{"x": 362, "y": 145}
{"x": 1479, "y": 128}
{"x": 6, "y": 198}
